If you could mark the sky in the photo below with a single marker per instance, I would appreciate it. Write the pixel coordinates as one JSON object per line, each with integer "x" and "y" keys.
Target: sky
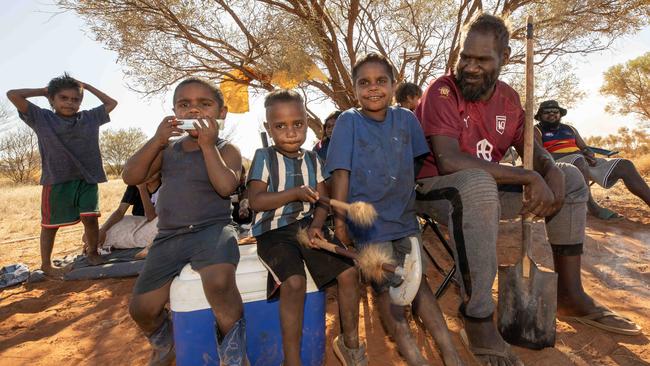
{"x": 39, "y": 45}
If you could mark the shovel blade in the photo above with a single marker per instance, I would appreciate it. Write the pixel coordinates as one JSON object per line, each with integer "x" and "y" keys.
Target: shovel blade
{"x": 527, "y": 306}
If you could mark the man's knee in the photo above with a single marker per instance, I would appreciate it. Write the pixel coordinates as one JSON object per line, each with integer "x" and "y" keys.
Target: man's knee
{"x": 476, "y": 180}
{"x": 468, "y": 185}
{"x": 576, "y": 189}
{"x": 582, "y": 165}
{"x": 625, "y": 167}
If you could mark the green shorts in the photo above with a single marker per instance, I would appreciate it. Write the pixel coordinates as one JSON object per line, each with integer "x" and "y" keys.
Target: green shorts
{"x": 64, "y": 203}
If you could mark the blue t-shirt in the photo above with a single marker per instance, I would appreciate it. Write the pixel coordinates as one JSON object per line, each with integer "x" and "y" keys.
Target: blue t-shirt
{"x": 380, "y": 157}
{"x": 281, "y": 173}
{"x": 69, "y": 147}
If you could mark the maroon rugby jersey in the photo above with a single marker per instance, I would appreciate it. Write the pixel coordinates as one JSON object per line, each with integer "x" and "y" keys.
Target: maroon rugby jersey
{"x": 484, "y": 129}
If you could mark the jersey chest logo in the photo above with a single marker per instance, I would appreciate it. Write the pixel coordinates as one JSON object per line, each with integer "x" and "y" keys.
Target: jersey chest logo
{"x": 501, "y": 124}
{"x": 484, "y": 150}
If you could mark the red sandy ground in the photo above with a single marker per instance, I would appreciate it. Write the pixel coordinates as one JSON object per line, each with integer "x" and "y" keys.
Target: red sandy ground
{"x": 86, "y": 322}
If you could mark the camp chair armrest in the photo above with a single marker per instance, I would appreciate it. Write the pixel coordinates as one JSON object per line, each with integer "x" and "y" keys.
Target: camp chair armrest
{"x": 604, "y": 152}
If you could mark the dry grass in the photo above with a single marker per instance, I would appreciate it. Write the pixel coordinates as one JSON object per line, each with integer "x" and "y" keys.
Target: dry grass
{"x": 20, "y": 207}
{"x": 21, "y": 219}
{"x": 643, "y": 165}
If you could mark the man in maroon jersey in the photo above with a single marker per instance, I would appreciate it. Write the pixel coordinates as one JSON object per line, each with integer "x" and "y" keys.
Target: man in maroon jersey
{"x": 470, "y": 119}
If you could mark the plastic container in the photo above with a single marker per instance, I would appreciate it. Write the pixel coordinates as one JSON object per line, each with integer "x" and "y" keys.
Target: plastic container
{"x": 194, "y": 333}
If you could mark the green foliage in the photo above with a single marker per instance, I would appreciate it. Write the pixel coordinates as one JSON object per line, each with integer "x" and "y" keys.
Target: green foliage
{"x": 631, "y": 143}
{"x": 19, "y": 158}
{"x": 161, "y": 42}
{"x": 629, "y": 85}
{"x": 117, "y": 146}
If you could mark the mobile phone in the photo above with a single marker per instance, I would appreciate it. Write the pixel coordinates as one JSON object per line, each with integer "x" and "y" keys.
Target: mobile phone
{"x": 188, "y": 124}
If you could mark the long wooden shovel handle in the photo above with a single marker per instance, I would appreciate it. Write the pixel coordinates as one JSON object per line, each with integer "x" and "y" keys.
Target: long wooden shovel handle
{"x": 331, "y": 247}
{"x": 527, "y": 219}
{"x": 335, "y": 203}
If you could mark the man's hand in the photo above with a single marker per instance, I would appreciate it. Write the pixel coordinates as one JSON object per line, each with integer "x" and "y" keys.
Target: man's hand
{"x": 305, "y": 194}
{"x": 314, "y": 233}
{"x": 208, "y": 132}
{"x": 538, "y": 197}
{"x": 589, "y": 157}
{"x": 166, "y": 130}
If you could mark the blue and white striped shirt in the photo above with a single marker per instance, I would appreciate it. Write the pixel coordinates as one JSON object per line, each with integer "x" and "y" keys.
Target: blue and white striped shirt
{"x": 281, "y": 173}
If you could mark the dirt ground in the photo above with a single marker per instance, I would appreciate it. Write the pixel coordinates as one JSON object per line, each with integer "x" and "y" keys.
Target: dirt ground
{"x": 87, "y": 323}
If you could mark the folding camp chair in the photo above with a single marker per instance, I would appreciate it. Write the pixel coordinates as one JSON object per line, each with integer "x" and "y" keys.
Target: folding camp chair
{"x": 448, "y": 276}
{"x": 604, "y": 152}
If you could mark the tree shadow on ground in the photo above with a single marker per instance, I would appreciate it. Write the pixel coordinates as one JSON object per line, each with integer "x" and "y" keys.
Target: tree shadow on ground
{"x": 610, "y": 272}
{"x": 84, "y": 322}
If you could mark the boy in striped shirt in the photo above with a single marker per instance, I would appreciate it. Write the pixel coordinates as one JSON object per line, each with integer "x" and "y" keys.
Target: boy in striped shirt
{"x": 284, "y": 185}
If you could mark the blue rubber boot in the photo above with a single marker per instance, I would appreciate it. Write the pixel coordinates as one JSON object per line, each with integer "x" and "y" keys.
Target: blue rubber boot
{"x": 232, "y": 347}
{"x": 162, "y": 344}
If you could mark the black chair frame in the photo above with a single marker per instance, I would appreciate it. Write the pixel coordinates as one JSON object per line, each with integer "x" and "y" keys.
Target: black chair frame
{"x": 448, "y": 275}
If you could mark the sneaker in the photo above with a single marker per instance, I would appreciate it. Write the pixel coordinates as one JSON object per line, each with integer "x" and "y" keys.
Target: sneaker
{"x": 349, "y": 356}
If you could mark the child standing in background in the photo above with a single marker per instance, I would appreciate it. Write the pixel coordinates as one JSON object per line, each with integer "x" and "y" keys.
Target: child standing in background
{"x": 322, "y": 146}
{"x": 71, "y": 164}
{"x": 407, "y": 95}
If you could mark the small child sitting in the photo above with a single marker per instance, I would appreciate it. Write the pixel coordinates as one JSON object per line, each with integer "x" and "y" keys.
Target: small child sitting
{"x": 122, "y": 231}
{"x": 284, "y": 185}
{"x": 199, "y": 172}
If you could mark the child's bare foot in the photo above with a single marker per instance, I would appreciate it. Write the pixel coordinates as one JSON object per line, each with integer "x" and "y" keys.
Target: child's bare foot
{"x": 407, "y": 346}
{"x": 95, "y": 259}
{"x": 53, "y": 272}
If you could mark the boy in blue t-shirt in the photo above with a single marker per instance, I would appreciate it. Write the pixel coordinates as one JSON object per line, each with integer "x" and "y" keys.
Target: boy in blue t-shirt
{"x": 372, "y": 158}
{"x": 71, "y": 164}
{"x": 284, "y": 185}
